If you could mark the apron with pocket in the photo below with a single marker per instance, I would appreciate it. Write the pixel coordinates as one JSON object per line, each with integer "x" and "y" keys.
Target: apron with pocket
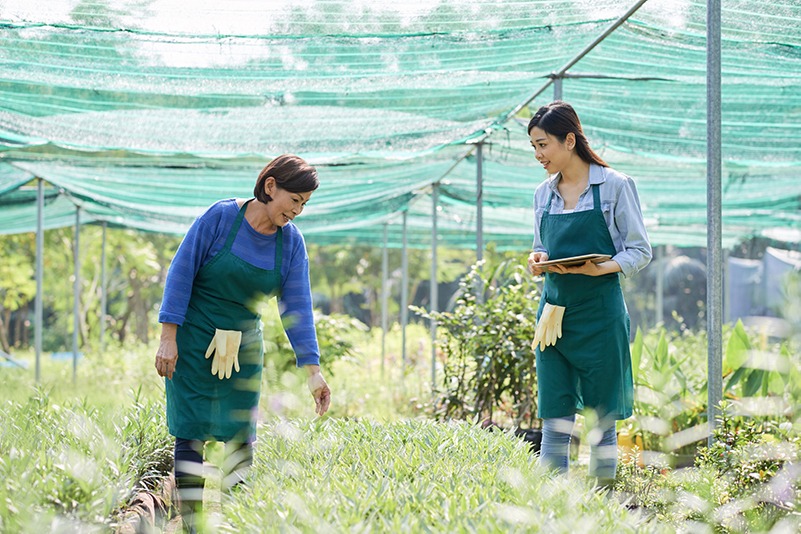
{"x": 225, "y": 294}
{"x": 590, "y": 366}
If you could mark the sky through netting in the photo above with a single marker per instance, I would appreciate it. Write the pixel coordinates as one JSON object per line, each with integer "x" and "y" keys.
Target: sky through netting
{"x": 144, "y": 112}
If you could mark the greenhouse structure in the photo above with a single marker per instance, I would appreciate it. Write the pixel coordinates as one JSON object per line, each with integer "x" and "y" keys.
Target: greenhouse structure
{"x": 414, "y": 113}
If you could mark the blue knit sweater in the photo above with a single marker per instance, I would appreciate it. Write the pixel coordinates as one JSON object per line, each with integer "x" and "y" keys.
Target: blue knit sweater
{"x": 206, "y": 237}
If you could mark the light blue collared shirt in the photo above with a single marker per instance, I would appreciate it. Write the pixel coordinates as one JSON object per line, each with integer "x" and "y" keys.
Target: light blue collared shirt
{"x": 620, "y": 204}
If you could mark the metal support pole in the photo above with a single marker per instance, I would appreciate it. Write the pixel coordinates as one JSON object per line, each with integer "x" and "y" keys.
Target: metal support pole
{"x": 479, "y": 201}
{"x": 103, "y": 289}
{"x": 660, "y": 284}
{"x": 557, "y": 88}
{"x": 726, "y": 288}
{"x": 404, "y": 297}
{"x": 76, "y": 289}
{"x": 434, "y": 285}
{"x": 714, "y": 219}
{"x": 38, "y": 304}
{"x": 561, "y": 72}
{"x": 384, "y": 296}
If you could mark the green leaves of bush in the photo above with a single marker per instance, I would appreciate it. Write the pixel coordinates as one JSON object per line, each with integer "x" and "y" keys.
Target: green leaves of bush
{"x": 485, "y": 342}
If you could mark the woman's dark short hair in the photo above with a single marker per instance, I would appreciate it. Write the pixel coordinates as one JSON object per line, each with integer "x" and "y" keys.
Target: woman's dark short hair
{"x": 291, "y": 173}
{"x": 559, "y": 119}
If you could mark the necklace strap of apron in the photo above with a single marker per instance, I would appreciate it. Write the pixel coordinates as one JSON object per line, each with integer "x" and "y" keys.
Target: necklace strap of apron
{"x": 596, "y": 197}
{"x": 279, "y": 248}
{"x": 235, "y": 227}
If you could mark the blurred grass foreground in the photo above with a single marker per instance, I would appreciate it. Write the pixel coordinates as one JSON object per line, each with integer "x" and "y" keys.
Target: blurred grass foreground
{"x": 75, "y": 456}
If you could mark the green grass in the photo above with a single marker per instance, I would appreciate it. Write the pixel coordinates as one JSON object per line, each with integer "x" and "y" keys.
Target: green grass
{"x": 409, "y": 476}
{"x": 72, "y": 454}
{"x": 75, "y": 449}
{"x": 70, "y": 466}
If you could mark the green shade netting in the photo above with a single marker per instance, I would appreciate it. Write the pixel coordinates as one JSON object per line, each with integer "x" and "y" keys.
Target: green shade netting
{"x": 11, "y": 178}
{"x": 354, "y": 202}
{"x": 143, "y": 113}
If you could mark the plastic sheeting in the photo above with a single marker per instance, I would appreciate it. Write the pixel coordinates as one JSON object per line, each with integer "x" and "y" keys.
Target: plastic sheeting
{"x": 778, "y": 264}
{"x": 745, "y": 288}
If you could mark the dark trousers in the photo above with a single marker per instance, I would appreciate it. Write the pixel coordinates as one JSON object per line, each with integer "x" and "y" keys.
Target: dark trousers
{"x": 190, "y": 478}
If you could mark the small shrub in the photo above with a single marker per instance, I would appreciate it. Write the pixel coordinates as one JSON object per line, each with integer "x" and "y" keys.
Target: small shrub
{"x": 486, "y": 347}
{"x": 750, "y": 451}
{"x": 335, "y": 334}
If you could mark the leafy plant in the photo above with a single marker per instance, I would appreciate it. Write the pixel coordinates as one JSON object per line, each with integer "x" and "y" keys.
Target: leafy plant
{"x": 751, "y": 370}
{"x": 749, "y": 450}
{"x": 73, "y": 464}
{"x": 670, "y": 389}
{"x": 334, "y": 337}
{"x": 642, "y": 486}
{"x": 670, "y": 375}
{"x": 486, "y": 346}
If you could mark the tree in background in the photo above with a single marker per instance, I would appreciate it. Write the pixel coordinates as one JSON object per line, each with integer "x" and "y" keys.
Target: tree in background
{"x": 349, "y": 277}
{"x": 17, "y": 288}
{"x": 345, "y": 279}
{"x": 136, "y": 266}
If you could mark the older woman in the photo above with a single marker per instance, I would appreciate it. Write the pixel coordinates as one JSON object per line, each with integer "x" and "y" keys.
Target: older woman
{"x": 235, "y": 255}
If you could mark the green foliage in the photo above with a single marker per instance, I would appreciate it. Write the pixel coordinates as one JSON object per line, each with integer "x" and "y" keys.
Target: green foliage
{"x": 746, "y": 481}
{"x": 75, "y": 465}
{"x": 136, "y": 267}
{"x": 762, "y": 378}
{"x": 385, "y": 389}
{"x": 338, "y": 270}
{"x": 335, "y": 333}
{"x": 147, "y": 450}
{"x": 643, "y": 485}
{"x": 17, "y": 283}
{"x": 747, "y": 376}
{"x": 409, "y": 476}
{"x": 72, "y": 454}
{"x": 486, "y": 345}
{"x": 669, "y": 386}
{"x": 749, "y": 451}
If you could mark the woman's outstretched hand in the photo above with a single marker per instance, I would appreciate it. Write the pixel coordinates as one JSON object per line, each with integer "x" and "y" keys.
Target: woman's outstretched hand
{"x": 167, "y": 354}
{"x": 319, "y": 390}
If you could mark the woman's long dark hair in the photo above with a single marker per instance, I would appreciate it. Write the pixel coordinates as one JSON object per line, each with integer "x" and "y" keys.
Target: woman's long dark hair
{"x": 559, "y": 119}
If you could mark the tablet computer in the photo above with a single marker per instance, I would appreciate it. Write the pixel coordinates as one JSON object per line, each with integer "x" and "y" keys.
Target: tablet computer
{"x": 576, "y": 260}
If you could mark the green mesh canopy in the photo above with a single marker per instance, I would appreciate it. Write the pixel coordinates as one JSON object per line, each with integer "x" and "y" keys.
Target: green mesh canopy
{"x": 142, "y": 113}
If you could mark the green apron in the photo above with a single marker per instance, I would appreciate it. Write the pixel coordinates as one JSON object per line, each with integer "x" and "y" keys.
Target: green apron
{"x": 590, "y": 366}
{"x": 225, "y": 294}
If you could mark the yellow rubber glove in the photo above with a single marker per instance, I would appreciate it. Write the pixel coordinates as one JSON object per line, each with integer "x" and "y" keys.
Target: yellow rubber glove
{"x": 539, "y": 333}
{"x": 225, "y": 347}
{"x": 549, "y": 327}
{"x": 556, "y": 323}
